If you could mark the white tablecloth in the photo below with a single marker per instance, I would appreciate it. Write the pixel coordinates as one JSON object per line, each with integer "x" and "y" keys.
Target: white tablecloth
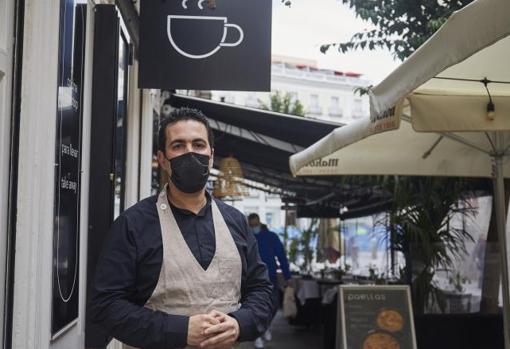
{"x": 306, "y": 289}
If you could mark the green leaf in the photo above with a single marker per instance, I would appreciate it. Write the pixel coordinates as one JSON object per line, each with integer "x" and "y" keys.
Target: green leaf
{"x": 325, "y": 48}
{"x": 402, "y": 25}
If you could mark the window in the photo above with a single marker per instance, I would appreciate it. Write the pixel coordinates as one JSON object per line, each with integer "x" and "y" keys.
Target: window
{"x": 334, "y": 107}
{"x": 314, "y": 107}
{"x": 269, "y": 219}
{"x": 230, "y": 98}
{"x": 249, "y": 210}
{"x": 357, "y": 111}
{"x": 251, "y": 100}
{"x": 314, "y": 101}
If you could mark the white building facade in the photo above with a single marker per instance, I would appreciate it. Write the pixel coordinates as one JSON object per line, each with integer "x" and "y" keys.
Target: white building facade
{"x": 325, "y": 94}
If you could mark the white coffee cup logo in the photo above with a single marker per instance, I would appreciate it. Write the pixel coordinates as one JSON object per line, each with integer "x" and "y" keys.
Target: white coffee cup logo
{"x": 208, "y": 18}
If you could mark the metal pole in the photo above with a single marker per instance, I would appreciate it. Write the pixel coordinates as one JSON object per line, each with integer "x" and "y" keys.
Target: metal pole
{"x": 499, "y": 200}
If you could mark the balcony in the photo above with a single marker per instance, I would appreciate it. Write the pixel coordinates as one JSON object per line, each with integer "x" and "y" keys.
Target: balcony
{"x": 336, "y": 112}
{"x": 314, "y": 110}
{"x": 317, "y": 75}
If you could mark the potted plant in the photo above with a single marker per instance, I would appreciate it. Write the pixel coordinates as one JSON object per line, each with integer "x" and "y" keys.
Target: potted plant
{"x": 421, "y": 228}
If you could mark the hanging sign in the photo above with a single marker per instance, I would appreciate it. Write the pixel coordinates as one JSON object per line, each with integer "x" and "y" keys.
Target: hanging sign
{"x": 205, "y": 45}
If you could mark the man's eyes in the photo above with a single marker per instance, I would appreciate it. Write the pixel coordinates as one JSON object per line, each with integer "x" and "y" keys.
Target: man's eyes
{"x": 199, "y": 145}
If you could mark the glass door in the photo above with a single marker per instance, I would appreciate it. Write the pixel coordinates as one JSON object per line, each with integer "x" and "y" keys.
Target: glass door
{"x": 119, "y": 160}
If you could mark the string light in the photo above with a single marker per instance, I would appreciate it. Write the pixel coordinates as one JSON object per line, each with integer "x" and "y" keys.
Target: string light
{"x": 491, "y": 108}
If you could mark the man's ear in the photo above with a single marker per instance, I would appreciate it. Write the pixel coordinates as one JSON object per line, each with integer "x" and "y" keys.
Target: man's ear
{"x": 163, "y": 162}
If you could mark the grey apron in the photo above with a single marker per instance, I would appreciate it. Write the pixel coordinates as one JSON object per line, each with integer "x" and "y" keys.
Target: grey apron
{"x": 184, "y": 287}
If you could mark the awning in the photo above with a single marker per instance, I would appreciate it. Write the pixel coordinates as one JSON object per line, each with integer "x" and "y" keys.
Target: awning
{"x": 262, "y": 141}
{"x": 296, "y": 130}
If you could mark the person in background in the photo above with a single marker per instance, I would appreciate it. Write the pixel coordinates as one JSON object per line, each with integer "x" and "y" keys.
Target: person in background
{"x": 270, "y": 249}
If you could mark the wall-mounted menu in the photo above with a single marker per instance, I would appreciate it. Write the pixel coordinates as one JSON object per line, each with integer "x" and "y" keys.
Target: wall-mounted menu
{"x": 66, "y": 235}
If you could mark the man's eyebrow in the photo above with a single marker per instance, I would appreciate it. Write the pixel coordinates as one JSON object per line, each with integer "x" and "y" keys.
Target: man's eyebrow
{"x": 179, "y": 140}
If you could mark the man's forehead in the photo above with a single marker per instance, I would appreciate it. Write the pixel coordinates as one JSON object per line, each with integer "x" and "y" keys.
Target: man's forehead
{"x": 187, "y": 129}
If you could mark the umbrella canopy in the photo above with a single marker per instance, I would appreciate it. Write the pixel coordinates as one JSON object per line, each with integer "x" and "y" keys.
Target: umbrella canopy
{"x": 398, "y": 152}
{"x": 444, "y": 85}
{"x": 444, "y": 111}
{"x": 477, "y": 38}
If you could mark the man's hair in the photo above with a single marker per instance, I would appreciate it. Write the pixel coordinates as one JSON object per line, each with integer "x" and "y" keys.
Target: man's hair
{"x": 183, "y": 114}
{"x": 253, "y": 216}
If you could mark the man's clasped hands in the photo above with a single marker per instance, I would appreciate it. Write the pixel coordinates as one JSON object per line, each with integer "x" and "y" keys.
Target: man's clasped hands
{"x": 215, "y": 330}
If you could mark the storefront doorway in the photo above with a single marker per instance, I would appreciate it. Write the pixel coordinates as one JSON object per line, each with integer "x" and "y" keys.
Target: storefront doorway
{"x": 112, "y": 57}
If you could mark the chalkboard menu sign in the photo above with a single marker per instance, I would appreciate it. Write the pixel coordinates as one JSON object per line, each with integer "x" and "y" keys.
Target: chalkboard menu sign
{"x": 376, "y": 317}
{"x": 66, "y": 237}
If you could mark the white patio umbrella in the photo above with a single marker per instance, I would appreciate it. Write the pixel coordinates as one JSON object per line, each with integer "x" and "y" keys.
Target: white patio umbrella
{"x": 444, "y": 112}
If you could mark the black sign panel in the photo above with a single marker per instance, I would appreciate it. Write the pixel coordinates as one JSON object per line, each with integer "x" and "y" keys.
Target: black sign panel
{"x": 186, "y": 44}
{"x": 376, "y": 317}
{"x": 66, "y": 235}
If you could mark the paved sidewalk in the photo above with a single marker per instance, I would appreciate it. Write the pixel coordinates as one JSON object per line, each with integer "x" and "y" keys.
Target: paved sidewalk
{"x": 286, "y": 336}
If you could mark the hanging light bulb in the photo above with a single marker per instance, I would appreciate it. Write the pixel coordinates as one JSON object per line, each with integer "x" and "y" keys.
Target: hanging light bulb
{"x": 491, "y": 111}
{"x": 490, "y": 106}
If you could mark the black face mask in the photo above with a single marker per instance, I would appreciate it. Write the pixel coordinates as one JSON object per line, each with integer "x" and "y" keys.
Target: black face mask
{"x": 190, "y": 172}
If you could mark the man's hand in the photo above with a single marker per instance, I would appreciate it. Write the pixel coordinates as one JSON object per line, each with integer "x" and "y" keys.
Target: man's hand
{"x": 222, "y": 335}
{"x": 197, "y": 326}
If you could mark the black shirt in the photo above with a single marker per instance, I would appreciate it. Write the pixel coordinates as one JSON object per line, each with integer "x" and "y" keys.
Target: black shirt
{"x": 130, "y": 263}
{"x": 198, "y": 231}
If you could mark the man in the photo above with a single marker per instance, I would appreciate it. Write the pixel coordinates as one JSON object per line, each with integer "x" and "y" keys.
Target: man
{"x": 181, "y": 269}
{"x": 270, "y": 249}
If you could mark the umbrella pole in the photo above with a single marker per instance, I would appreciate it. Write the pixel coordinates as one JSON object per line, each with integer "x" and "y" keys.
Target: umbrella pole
{"x": 499, "y": 199}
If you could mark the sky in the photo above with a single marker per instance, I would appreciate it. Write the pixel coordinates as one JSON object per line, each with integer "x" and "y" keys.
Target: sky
{"x": 301, "y": 29}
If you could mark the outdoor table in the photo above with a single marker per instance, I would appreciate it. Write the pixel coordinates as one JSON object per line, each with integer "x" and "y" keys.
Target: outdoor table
{"x": 306, "y": 289}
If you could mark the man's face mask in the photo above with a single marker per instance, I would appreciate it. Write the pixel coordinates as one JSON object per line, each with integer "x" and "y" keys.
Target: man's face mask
{"x": 256, "y": 229}
{"x": 190, "y": 171}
